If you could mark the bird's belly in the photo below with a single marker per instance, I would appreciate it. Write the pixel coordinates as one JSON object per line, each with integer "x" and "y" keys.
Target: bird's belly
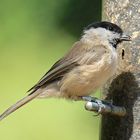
{"x": 85, "y": 79}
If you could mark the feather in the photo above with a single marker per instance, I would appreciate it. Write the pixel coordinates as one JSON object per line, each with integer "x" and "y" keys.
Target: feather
{"x": 18, "y": 104}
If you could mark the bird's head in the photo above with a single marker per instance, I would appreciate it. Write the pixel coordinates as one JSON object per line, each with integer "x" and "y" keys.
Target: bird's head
{"x": 105, "y": 31}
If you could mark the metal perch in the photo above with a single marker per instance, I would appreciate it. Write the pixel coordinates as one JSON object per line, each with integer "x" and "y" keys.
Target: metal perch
{"x": 106, "y": 108}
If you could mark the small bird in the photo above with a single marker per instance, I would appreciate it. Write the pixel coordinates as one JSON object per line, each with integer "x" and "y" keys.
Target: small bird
{"x": 85, "y": 68}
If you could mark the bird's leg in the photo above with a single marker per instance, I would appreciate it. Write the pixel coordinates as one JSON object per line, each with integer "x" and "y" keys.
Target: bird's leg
{"x": 89, "y": 98}
{"x": 94, "y": 99}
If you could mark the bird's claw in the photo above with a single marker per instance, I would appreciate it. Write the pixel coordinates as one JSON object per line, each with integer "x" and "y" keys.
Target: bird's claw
{"x": 101, "y": 106}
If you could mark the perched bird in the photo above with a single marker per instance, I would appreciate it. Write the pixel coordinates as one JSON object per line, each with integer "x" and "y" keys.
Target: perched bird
{"x": 86, "y": 67}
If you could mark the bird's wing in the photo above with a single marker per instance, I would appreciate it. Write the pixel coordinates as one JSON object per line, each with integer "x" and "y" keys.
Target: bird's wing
{"x": 61, "y": 67}
{"x": 57, "y": 71}
{"x": 65, "y": 64}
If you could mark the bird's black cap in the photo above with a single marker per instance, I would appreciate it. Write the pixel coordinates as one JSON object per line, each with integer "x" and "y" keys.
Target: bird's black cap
{"x": 107, "y": 25}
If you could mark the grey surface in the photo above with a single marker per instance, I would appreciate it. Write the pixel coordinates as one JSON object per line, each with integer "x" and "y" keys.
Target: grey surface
{"x": 124, "y": 88}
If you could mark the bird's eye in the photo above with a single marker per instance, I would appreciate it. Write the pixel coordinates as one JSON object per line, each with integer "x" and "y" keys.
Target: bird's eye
{"x": 110, "y": 28}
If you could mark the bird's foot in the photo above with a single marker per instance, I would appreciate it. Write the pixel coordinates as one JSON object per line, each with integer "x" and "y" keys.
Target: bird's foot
{"x": 101, "y": 107}
{"x": 100, "y": 103}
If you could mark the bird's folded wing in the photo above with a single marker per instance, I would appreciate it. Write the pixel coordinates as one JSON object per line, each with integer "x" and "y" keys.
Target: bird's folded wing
{"x": 57, "y": 71}
{"x": 68, "y": 62}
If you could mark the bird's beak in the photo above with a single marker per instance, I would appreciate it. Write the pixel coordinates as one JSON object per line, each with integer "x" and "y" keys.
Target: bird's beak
{"x": 125, "y": 37}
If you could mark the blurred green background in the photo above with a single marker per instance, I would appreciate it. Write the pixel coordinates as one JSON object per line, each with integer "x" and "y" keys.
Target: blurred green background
{"x": 33, "y": 35}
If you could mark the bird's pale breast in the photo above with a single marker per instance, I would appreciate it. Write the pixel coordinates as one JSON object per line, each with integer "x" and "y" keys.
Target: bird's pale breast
{"x": 87, "y": 78}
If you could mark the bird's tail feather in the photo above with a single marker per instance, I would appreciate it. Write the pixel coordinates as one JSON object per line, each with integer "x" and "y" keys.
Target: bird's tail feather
{"x": 18, "y": 104}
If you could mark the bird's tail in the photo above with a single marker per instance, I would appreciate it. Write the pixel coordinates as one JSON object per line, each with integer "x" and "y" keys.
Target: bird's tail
{"x": 18, "y": 104}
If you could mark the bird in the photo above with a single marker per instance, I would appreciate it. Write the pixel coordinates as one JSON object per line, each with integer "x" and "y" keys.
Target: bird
{"x": 86, "y": 67}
